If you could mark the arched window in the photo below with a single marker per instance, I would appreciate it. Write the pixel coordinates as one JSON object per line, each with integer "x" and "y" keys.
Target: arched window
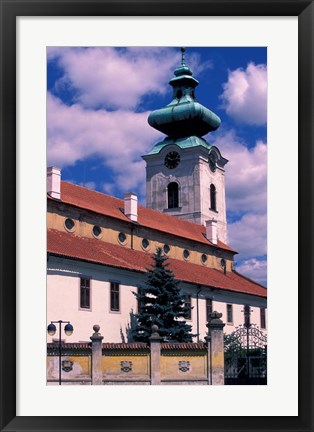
{"x": 173, "y": 195}
{"x": 213, "y": 197}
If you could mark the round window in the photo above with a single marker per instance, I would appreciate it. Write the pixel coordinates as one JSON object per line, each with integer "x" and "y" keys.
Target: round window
{"x": 122, "y": 237}
{"x": 186, "y": 254}
{"x": 166, "y": 249}
{"x": 145, "y": 243}
{"x": 97, "y": 231}
{"x": 204, "y": 258}
{"x": 69, "y": 224}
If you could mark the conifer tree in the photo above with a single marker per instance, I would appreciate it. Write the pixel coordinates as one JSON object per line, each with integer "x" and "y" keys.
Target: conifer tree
{"x": 161, "y": 303}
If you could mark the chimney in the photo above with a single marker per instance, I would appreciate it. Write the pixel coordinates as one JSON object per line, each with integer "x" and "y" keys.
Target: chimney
{"x": 211, "y": 230}
{"x": 130, "y": 206}
{"x": 54, "y": 182}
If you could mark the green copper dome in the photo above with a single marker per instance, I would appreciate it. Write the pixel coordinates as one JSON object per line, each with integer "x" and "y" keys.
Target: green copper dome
{"x": 183, "y": 116}
{"x": 186, "y": 142}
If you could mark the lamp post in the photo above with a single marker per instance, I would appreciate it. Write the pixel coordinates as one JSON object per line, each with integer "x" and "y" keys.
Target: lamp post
{"x": 68, "y": 330}
{"x": 247, "y": 324}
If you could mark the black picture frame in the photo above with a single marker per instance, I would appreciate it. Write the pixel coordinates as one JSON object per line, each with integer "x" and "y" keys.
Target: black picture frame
{"x": 10, "y": 10}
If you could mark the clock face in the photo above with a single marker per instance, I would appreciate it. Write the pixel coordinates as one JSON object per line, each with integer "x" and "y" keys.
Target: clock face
{"x": 172, "y": 159}
{"x": 212, "y": 160}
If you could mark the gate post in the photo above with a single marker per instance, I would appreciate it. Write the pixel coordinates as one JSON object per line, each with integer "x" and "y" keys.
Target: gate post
{"x": 215, "y": 344}
{"x": 96, "y": 339}
{"x": 155, "y": 356}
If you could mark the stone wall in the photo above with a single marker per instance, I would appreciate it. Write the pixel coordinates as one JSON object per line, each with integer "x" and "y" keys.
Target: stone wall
{"x": 155, "y": 363}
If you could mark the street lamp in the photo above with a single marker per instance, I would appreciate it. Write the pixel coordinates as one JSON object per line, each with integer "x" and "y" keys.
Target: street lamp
{"x": 68, "y": 330}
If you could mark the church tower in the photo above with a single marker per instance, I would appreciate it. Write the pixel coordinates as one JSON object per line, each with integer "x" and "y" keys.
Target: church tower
{"x": 185, "y": 175}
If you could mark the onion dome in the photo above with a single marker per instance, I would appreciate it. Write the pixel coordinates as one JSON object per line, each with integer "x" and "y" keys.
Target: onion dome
{"x": 183, "y": 116}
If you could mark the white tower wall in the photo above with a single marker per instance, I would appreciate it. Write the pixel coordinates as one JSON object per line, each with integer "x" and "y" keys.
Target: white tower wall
{"x": 194, "y": 178}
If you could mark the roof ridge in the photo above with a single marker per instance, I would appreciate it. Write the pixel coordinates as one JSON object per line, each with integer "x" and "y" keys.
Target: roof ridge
{"x": 90, "y": 190}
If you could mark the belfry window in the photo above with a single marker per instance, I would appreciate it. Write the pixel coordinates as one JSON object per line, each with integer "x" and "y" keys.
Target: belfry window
{"x": 179, "y": 94}
{"x": 173, "y": 195}
{"x": 213, "y": 198}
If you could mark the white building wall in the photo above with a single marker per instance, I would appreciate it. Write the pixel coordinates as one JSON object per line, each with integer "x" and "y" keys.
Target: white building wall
{"x": 63, "y": 301}
{"x": 220, "y": 299}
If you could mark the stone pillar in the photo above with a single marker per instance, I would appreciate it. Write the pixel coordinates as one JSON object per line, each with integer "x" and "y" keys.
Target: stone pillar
{"x": 215, "y": 345}
{"x": 96, "y": 339}
{"x": 155, "y": 356}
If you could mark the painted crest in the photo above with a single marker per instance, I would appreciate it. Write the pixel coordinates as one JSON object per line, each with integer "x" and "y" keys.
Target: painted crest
{"x": 184, "y": 365}
{"x": 67, "y": 365}
{"x": 126, "y": 366}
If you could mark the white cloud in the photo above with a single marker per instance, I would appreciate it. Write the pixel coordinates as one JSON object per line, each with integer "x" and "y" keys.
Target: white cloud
{"x": 196, "y": 64}
{"x": 254, "y": 269}
{"x": 246, "y": 195}
{"x": 107, "y": 77}
{"x": 248, "y": 235}
{"x": 75, "y": 133}
{"x": 108, "y": 188}
{"x": 246, "y": 174}
{"x": 245, "y": 94}
{"x": 106, "y": 86}
{"x": 89, "y": 185}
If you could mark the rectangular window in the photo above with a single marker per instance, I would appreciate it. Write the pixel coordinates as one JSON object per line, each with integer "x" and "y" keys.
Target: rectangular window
{"x": 187, "y": 302}
{"x": 85, "y": 293}
{"x": 209, "y": 308}
{"x": 263, "y": 318}
{"x": 229, "y": 314}
{"x": 139, "y": 303}
{"x": 247, "y": 315}
{"x": 114, "y": 296}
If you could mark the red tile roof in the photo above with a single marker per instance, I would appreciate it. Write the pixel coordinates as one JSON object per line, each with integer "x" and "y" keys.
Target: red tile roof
{"x": 76, "y": 346}
{"x": 97, "y": 251}
{"x": 125, "y": 346}
{"x": 53, "y": 347}
{"x": 183, "y": 346}
{"x": 110, "y": 206}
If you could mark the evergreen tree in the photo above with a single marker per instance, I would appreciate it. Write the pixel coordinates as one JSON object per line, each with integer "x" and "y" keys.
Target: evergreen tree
{"x": 161, "y": 303}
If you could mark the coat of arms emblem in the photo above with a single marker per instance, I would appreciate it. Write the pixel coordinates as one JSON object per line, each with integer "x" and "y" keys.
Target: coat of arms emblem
{"x": 126, "y": 366}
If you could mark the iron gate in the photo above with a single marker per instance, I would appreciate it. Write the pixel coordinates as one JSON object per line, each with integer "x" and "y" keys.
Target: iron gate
{"x": 246, "y": 356}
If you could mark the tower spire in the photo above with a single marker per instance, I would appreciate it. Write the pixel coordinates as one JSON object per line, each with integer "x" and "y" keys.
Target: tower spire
{"x": 183, "y": 69}
{"x": 183, "y": 116}
{"x": 183, "y": 58}
{"x": 184, "y": 173}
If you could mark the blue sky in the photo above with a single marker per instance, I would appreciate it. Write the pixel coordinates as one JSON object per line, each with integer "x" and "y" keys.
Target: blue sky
{"x": 98, "y": 102}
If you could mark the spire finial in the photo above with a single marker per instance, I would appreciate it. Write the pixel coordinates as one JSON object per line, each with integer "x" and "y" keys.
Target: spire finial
{"x": 183, "y": 59}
